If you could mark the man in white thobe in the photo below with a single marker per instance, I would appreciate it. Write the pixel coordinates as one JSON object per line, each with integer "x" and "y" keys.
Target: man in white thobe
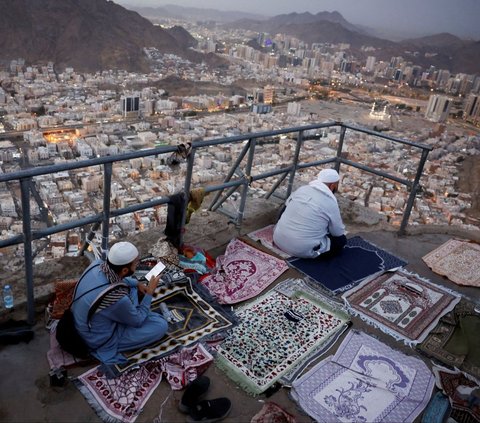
{"x": 311, "y": 224}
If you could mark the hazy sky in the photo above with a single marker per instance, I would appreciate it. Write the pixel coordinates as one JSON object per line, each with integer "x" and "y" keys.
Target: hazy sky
{"x": 459, "y": 17}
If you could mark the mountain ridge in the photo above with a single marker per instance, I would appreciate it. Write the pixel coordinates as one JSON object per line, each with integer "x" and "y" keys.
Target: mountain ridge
{"x": 88, "y": 35}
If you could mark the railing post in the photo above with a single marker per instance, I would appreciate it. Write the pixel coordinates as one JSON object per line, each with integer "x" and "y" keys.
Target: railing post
{"x": 413, "y": 192}
{"x": 340, "y": 148}
{"x": 107, "y": 190}
{"x": 247, "y": 181}
{"x": 27, "y": 248}
{"x": 186, "y": 189}
{"x": 294, "y": 163}
{"x": 229, "y": 176}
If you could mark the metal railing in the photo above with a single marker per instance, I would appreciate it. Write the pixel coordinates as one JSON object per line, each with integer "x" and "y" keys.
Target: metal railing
{"x": 243, "y": 179}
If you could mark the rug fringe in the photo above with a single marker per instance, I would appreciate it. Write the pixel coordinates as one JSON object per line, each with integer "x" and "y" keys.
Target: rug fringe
{"x": 380, "y": 326}
{"x": 90, "y": 398}
{"x": 386, "y": 329}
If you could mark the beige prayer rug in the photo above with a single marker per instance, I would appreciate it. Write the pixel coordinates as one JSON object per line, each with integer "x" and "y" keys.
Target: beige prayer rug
{"x": 458, "y": 260}
{"x": 402, "y": 304}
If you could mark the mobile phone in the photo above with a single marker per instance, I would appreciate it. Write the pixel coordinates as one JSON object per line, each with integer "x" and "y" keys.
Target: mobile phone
{"x": 156, "y": 270}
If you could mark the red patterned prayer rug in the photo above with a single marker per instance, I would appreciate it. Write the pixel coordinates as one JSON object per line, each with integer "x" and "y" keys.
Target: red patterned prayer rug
{"x": 272, "y": 413}
{"x": 463, "y": 394}
{"x": 458, "y": 260}
{"x": 242, "y": 273}
{"x": 265, "y": 237}
{"x": 121, "y": 399}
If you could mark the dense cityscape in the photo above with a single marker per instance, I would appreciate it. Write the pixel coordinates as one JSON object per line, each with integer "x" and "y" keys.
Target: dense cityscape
{"x": 49, "y": 116}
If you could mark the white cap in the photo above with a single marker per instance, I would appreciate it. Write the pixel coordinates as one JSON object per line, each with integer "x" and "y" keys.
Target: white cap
{"x": 328, "y": 176}
{"x": 122, "y": 253}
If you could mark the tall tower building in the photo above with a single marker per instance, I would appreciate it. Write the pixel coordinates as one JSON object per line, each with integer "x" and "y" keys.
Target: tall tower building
{"x": 471, "y": 111}
{"x": 269, "y": 94}
{"x": 130, "y": 105}
{"x": 438, "y": 108}
{"x": 370, "y": 66}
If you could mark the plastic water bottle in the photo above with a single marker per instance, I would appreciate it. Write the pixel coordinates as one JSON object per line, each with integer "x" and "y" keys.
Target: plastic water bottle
{"x": 166, "y": 313}
{"x": 7, "y": 296}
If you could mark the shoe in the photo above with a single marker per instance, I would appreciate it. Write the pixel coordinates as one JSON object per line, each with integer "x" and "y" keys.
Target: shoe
{"x": 193, "y": 391}
{"x": 209, "y": 411}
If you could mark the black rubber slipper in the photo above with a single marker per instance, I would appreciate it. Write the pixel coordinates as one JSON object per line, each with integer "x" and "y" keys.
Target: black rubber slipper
{"x": 209, "y": 411}
{"x": 193, "y": 391}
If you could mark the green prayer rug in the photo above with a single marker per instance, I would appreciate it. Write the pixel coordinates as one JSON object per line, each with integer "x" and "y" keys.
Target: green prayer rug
{"x": 275, "y": 333}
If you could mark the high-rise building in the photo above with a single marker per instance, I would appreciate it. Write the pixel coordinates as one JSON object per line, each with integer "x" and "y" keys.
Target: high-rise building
{"x": 130, "y": 105}
{"x": 370, "y": 66}
{"x": 269, "y": 94}
{"x": 438, "y": 108}
{"x": 471, "y": 111}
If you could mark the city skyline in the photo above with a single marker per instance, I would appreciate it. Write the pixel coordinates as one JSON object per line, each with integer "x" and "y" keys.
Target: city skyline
{"x": 400, "y": 19}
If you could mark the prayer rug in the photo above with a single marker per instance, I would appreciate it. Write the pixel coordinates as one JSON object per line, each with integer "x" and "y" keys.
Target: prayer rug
{"x": 455, "y": 341}
{"x": 365, "y": 381}
{"x": 57, "y": 357}
{"x": 242, "y": 273}
{"x": 290, "y": 287}
{"x": 265, "y": 237}
{"x": 358, "y": 260}
{"x": 121, "y": 399}
{"x": 195, "y": 317}
{"x": 401, "y": 304}
{"x": 463, "y": 393}
{"x": 458, "y": 260}
{"x": 272, "y": 413}
{"x": 275, "y": 333}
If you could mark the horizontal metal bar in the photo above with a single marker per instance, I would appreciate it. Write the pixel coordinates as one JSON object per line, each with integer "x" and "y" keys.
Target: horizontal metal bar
{"x": 377, "y": 172}
{"x": 45, "y": 170}
{"x": 246, "y": 137}
{"x": 387, "y": 137}
{"x": 316, "y": 163}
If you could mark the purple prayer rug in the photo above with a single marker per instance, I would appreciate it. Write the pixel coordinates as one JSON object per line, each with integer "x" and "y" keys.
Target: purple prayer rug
{"x": 365, "y": 381}
{"x": 274, "y": 335}
{"x": 265, "y": 237}
{"x": 242, "y": 273}
{"x": 402, "y": 304}
{"x": 358, "y": 260}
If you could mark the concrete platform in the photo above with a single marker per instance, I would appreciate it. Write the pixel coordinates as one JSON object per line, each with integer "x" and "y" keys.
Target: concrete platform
{"x": 25, "y": 392}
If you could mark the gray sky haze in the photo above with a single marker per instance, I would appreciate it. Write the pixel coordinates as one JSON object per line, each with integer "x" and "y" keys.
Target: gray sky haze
{"x": 418, "y": 17}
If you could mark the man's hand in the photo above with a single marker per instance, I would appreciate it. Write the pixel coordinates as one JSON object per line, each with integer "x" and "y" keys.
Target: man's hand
{"x": 152, "y": 285}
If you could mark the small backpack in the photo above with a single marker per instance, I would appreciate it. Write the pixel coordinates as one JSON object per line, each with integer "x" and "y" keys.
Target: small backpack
{"x": 69, "y": 338}
{"x": 67, "y": 334}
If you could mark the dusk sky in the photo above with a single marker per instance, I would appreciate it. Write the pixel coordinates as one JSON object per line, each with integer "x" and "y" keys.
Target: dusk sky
{"x": 459, "y": 17}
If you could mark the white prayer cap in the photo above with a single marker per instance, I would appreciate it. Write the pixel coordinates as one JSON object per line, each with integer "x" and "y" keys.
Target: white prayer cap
{"x": 122, "y": 253}
{"x": 328, "y": 176}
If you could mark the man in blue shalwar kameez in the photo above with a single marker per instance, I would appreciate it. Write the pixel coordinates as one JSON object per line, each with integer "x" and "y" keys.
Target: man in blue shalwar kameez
{"x": 107, "y": 312}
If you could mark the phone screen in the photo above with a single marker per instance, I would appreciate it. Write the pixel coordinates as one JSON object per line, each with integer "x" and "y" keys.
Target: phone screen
{"x": 157, "y": 269}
